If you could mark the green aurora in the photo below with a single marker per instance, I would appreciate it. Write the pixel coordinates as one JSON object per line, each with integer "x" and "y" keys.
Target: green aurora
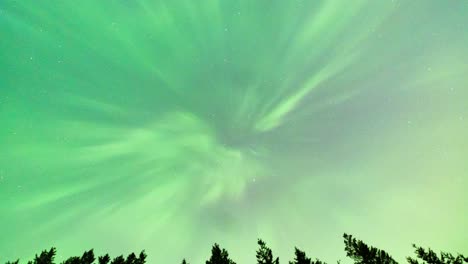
{"x": 171, "y": 125}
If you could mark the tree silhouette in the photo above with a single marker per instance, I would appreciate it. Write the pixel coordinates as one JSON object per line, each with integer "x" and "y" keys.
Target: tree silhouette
{"x": 264, "y": 254}
{"x": 219, "y": 256}
{"x": 104, "y": 259}
{"x": 46, "y": 257}
{"x": 86, "y": 258}
{"x": 72, "y": 260}
{"x": 363, "y": 254}
{"x": 356, "y": 249}
{"x": 118, "y": 260}
{"x": 301, "y": 258}
{"x": 131, "y": 259}
{"x": 430, "y": 257}
{"x": 141, "y": 258}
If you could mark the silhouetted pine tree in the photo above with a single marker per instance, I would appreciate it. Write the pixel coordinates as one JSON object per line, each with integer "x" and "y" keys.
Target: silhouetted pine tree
{"x": 430, "y": 257}
{"x": 363, "y": 254}
{"x": 131, "y": 259}
{"x": 104, "y": 259}
{"x": 72, "y": 260}
{"x": 46, "y": 257}
{"x": 264, "y": 254}
{"x": 118, "y": 260}
{"x": 141, "y": 258}
{"x": 86, "y": 258}
{"x": 301, "y": 258}
{"x": 219, "y": 256}
{"x": 355, "y": 249}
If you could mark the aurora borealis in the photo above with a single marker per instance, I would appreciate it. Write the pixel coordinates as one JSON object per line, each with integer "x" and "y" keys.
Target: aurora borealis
{"x": 168, "y": 125}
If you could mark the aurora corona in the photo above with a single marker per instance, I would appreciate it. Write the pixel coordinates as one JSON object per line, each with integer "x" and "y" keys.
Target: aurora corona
{"x": 154, "y": 124}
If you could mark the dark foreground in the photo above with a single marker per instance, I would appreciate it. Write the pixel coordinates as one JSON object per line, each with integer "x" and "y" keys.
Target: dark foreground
{"x": 355, "y": 249}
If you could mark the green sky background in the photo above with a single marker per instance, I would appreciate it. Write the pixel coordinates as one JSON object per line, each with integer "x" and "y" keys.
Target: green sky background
{"x": 171, "y": 125}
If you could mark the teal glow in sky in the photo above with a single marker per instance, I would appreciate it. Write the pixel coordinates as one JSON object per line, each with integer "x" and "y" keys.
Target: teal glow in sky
{"x": 171, "y": 125}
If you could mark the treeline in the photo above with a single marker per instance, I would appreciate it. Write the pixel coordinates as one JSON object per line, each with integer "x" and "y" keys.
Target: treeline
{"x": 355, "y": 249}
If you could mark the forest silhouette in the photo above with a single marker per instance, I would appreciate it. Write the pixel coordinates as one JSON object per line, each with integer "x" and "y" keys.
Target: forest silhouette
{"x": 355, "y": 249}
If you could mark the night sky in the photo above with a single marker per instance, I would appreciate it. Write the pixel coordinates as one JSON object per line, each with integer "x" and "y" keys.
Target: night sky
{"x": 170, "y": 125}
